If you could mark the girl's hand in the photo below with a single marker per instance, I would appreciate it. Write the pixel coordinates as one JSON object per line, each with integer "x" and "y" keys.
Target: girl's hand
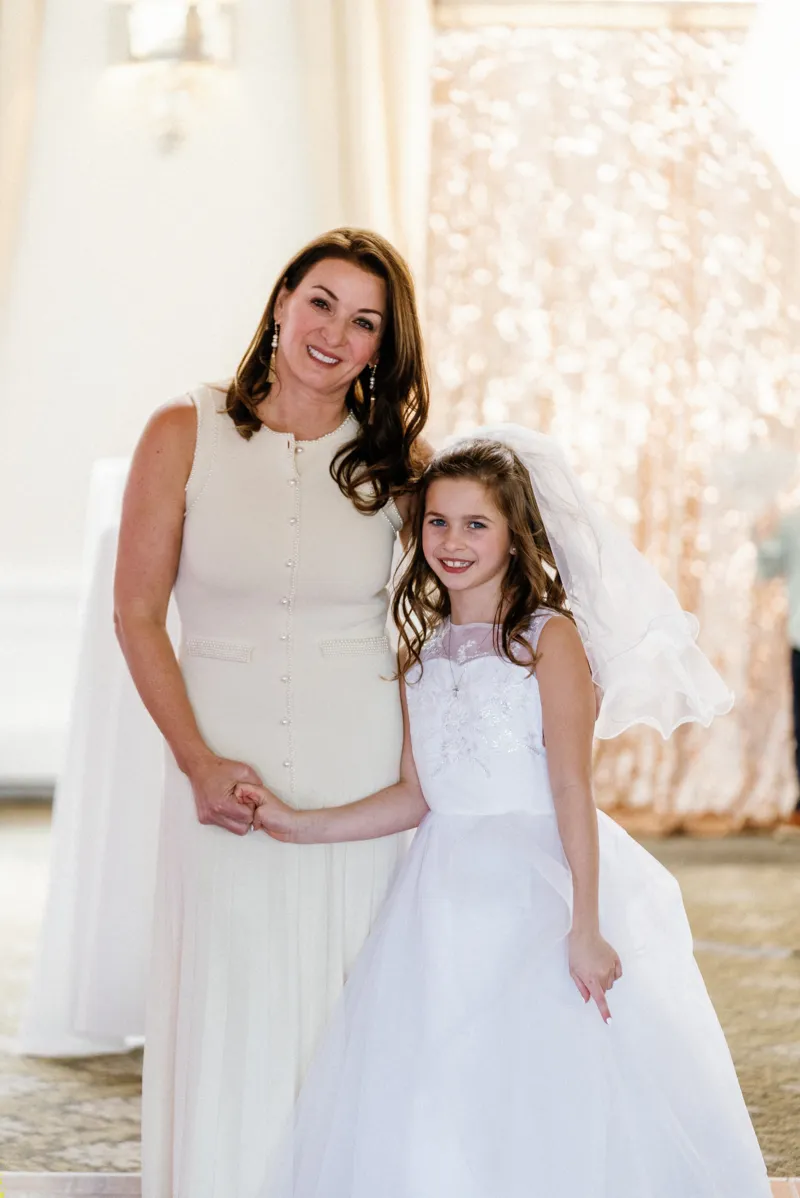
{"x": 214, "y": 784}
{"x": 270, "y": 815}
{"x": 594, "y": 967}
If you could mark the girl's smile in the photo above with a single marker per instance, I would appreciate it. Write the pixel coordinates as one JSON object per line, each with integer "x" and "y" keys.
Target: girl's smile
{"x": 453, "y": 566}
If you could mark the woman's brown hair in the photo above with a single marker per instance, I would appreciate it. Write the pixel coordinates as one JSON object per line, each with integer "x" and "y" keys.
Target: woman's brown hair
{"x": 531, "y": 581}
{"x": 379, "y": 462}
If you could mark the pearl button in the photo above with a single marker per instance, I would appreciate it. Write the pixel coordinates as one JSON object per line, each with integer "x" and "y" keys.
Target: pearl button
{"x": 284, "y": 721}
{"x": 293, "y": 519}
{"x": 287, "y": 764}
{"x": 298, "y": 448}
{"x": 290, "y": 564}
{"x": 284, "y": 677}
{"x": 284, "y": 602}
{"x": 284, "y": 636}
{"x": 292, "y": 482}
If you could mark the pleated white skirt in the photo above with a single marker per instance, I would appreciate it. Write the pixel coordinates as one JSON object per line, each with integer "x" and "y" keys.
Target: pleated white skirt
{"x": 253, "y": 941}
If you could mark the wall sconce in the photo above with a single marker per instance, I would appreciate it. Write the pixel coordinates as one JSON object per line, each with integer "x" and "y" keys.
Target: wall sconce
{"x": 173, "y": 44}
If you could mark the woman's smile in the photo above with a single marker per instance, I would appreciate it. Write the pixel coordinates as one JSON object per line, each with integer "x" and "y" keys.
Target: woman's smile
{"x": 324, "y": 359}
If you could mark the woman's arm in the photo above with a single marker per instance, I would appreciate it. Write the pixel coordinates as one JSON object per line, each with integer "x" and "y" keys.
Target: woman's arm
{"x": 396, "y": 808}
{"x": 568, "y": 713}
{"x": 149, "y": 550}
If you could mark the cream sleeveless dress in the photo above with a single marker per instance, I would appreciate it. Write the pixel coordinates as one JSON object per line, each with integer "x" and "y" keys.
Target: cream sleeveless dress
{"x": 281, "y": 590}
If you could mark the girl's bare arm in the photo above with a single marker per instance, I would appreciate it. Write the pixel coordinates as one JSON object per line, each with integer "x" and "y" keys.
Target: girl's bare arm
{"x": 396, "y": 808}
{"x": 568, "y": 713}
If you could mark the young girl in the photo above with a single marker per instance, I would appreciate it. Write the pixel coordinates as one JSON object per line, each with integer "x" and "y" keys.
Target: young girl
{"x": 474, "y": 1054}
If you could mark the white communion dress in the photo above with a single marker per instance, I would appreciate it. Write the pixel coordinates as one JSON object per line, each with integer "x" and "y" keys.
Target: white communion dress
{"x": 461, "y": 1061}
{"x": 281, "y": 591}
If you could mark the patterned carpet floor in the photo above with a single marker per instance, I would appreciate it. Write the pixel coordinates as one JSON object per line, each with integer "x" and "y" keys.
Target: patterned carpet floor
{"x": 742, "y": 895}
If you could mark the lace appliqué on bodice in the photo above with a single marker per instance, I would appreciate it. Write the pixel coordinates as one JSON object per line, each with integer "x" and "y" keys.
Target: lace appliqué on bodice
{"x": 473, "y": 711}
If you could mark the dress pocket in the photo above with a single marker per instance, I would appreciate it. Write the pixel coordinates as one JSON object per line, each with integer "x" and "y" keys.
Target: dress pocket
{"x": 207, "y": 646}
{"x": 356, "y": 646}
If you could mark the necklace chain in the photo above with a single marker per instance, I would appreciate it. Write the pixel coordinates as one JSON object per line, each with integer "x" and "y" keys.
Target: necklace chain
{"x": 456, "y": 687}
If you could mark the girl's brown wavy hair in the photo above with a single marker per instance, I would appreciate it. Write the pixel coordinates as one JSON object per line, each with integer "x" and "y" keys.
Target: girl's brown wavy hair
{"x": 421, "y": 603}
{"x": 380, "y": 461}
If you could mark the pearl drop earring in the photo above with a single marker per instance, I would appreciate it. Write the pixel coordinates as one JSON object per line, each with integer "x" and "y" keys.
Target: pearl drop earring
{"x": 272, "y": 373}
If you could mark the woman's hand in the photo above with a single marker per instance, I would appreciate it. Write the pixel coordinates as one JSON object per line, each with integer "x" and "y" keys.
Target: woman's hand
{"x": 271, "y": 815}
{"x": 594, "y": 967}
{"x": 214, "y": 785}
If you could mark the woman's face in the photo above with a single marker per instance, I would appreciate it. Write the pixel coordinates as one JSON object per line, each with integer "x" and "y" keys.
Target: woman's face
{"x": 330, "y": 325}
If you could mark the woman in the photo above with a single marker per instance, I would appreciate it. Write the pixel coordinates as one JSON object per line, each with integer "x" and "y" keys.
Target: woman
{"x": 272, "y": 506}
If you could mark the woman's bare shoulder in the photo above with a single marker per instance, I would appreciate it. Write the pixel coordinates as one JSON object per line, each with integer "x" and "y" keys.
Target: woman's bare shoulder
{"x": 168, "y": 439}
{"x": 174, "y": 419}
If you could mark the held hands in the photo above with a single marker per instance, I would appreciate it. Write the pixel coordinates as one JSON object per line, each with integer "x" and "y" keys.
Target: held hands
{"x": 214, "y": 782}
{"x": 594, "y": 967}
{"x": 270, "y": 815}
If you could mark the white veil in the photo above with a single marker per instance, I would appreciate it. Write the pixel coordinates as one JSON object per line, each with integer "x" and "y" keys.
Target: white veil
{"x": 639, "y": 641}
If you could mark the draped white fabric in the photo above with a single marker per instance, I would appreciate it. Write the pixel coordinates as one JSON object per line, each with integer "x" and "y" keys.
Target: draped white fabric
{"x": 88, "y": 989}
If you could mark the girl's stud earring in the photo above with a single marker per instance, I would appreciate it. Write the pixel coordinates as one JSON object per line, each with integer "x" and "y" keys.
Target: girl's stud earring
{"x": 512, "y": 549}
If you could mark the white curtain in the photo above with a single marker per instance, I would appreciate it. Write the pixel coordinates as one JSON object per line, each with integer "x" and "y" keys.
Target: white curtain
{"x": 765, "y": 87}
{"x": 366, "y": 77}
{"x": 20, "y": 35}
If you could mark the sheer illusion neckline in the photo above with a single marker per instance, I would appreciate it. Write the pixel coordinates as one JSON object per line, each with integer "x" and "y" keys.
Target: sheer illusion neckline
{"x": 462, "y": 643}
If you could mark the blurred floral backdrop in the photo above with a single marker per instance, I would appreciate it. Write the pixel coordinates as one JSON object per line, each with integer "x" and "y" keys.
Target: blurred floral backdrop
{"x": 612, "y": 260}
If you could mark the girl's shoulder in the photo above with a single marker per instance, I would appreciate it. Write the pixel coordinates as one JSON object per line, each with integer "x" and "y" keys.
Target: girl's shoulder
{"x": 552, "y": 631}
{"x": 541, "y": 618}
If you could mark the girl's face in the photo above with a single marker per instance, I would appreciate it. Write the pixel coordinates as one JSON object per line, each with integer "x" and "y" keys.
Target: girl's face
{"x": 465, "y": 538}
{"x": 330, "y": 325}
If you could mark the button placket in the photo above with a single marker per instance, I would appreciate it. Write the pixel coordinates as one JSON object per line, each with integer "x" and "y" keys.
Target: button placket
{"x": 287, "y": 603}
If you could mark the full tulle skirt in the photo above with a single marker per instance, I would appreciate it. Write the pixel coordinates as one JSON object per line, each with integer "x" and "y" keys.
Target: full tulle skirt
{"x": 461, "y": 1061}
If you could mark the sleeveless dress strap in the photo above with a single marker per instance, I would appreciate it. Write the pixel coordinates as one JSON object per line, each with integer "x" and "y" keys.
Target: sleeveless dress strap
{"x": 538, "y": 621}
{"x": 392, "y": 514}
{"x": 206, "y": 400}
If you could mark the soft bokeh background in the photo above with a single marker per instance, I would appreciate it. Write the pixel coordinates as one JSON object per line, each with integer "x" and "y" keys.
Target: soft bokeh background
{"x": 613, "y": 259}
{"x": 603, "y": 249}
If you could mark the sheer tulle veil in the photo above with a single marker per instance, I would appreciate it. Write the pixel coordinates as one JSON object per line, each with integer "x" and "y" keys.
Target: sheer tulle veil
{"x": 640, "y": 643}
